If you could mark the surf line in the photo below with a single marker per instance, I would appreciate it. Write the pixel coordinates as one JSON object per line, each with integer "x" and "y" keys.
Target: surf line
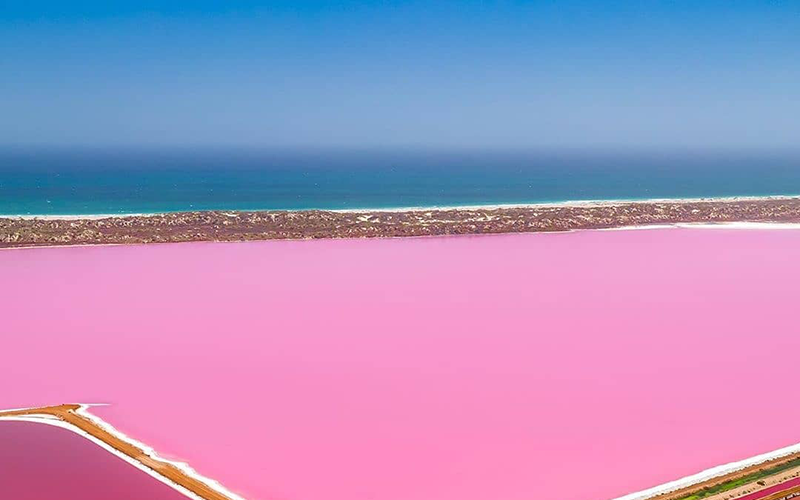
{"x": 77, "y": 418}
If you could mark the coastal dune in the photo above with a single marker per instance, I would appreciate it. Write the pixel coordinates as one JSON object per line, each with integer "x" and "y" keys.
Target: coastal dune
{"x": 582, "y": 365}
{"x": 25, "y": 231}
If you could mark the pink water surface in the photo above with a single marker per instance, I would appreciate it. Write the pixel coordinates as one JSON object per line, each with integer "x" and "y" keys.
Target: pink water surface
{"x": 577, "y": 366}
{"x": 772, "y": 489}
{"x": 41, "y": 462}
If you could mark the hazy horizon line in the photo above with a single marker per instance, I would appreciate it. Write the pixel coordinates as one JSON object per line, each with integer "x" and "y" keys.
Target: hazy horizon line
{"x": 399, "y": 149}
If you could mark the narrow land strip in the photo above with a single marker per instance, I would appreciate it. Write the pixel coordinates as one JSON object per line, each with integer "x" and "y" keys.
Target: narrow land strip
{"x": 758, "y": 479}
{"x": 754, "y": 486}
{"x": 269, "y": 225}
{"x": 69, "y": 414}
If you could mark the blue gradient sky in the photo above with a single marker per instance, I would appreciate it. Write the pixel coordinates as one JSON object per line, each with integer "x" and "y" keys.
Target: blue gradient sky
{"x": 533, "y": 74}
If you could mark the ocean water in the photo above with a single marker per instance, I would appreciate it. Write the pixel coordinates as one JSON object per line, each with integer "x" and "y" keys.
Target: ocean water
{"x": 137, "y": 181}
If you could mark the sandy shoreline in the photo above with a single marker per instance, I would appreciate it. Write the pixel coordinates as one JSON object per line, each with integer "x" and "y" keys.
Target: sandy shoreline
{"x": 316, "y": 224}
{"x": 420, "y": 208}
{"x": 680, "y": 488}
{"x": 76, "y": 418}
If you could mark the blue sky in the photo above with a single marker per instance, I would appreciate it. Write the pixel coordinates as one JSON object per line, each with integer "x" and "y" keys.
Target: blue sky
{"x": 577, "y": 74}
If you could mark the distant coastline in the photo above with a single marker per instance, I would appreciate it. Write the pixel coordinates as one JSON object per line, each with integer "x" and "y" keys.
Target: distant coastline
{"x": 421, "y": 208}
{"x": 27, "y": 231}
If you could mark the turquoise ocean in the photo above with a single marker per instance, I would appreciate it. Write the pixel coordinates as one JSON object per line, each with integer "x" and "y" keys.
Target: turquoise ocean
{"x": 84, "y": 181}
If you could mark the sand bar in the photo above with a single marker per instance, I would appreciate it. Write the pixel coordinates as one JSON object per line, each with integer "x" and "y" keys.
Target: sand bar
{"x": 75, "y": 417}
{"x": 314, "y": 224}
{"x": 46, "y": 459}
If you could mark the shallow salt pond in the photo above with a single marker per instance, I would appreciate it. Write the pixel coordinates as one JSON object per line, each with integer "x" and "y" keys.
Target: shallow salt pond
{"x": 581, "y": 366}
{"x": 42, "y": 462}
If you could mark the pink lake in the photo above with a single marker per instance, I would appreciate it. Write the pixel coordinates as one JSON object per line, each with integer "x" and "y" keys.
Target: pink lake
{"x": 574, "y": 366}
{"x": 41, "y": 462}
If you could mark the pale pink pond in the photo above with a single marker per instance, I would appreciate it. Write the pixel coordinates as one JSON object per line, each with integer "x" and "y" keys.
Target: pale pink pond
{"x": 577, "y": 366}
